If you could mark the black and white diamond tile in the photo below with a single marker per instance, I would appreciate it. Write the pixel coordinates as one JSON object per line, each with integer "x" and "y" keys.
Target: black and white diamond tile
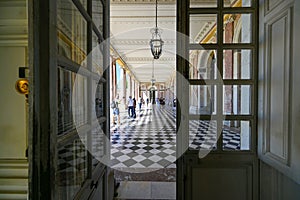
{"x": 149, "y": 140}
{"x": 203, "y": 135}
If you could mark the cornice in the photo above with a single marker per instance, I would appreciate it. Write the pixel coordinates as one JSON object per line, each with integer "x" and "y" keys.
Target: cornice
{"x": 149, "y": 59}
{"x": 159, "y": 1}
{"x": 205, "y": 29}
{"x": 141, "y": 1}
{"x": 138, "y": 42}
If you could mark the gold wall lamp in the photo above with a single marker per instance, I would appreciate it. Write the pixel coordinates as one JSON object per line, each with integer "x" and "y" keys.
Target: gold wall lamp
{"x": 22, "y": 85}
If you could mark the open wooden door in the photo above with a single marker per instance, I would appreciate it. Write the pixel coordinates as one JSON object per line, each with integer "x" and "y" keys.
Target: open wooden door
{"x": 217, "y": 92}
{"x": 69, "y": 94}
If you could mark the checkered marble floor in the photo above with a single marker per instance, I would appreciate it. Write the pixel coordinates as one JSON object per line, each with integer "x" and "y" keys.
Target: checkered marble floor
{"x": 149, "y": 140}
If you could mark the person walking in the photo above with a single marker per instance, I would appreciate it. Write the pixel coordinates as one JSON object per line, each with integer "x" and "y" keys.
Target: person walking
{"x": 130, "y": 107}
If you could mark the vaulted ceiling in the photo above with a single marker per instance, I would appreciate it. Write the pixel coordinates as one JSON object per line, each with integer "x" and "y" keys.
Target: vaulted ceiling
{"x": 130, "y": 29}
{"x": 131, "y": 22}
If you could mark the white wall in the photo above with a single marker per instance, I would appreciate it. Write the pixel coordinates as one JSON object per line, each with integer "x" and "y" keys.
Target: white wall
{"x": 13, "y": 50}
{"x": 12, "y": 106}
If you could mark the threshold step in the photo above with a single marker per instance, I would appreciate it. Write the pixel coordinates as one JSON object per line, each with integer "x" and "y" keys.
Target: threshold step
{"x": 150, "y": 175}
{"x": 144, "y": 190}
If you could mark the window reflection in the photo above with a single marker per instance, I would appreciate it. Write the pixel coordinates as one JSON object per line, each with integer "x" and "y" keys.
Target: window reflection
{"x": 237, "y": 28}
{"x": 72, "y": 100}
{"x": 72, "y": 168}
{"x": 98, "y": 15}
{"x": 237, "y": 100}
{"x": 72, "y": 32}
{"x": 202, "y": 134}
{"x": 203, "y": 99}
{"x": 236, "y": 135}
{"x": 203, "y": 64}
{"x": 237, "y": 64}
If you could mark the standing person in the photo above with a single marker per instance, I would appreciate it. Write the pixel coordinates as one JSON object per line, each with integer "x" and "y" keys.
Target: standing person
{"x": 140, "y": 100}
{"x": 116, "y": 112}
{"x": 157, "y": 102}
{"x": 134, "y": 106}
{"x": 147, "y": 101}
{"x": 130, "y": 107}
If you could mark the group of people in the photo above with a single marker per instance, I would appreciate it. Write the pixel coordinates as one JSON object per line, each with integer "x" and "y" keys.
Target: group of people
{"x": 131, "y": 107}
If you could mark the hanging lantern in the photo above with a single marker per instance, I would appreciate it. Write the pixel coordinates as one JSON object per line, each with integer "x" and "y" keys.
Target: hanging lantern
{"x": 156, "y": 43}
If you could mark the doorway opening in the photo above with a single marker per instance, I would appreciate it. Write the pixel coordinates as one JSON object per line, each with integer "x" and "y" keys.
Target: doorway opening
{"x": 143, "y": 138}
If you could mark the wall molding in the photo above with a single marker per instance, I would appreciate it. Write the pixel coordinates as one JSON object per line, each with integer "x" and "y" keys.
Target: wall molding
{"x": 271, "y": 4}
{"x": 271, "y": 27}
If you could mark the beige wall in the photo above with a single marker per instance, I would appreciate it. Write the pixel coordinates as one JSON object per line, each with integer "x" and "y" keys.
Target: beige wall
{"x": 12, "y": 104}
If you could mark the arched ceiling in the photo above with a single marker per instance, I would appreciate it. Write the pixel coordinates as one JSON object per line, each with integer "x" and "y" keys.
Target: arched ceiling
{"x": 131, "y": 22}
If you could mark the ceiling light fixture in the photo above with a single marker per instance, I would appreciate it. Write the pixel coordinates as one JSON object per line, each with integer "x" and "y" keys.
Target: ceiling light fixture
{"x": 156, "y": 42}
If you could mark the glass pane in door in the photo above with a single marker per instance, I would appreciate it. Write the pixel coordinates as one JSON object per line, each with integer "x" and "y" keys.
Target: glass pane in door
{"x": 98, "y": 14}
{"x": 238, "y": 3}
{"x": 72, "y": 101}
{"x": 72, "y": 168}
{"x": 237, "y": 64}
{"x": 72, "y": 32}
{"x": 237, "y": 100}
{"x": 203, "y": 28}
{"x": 203, "y": 64}
{"x": 237, "y": 28}
{"x": 202, "y": 134}
{"x": 203, "y": 99}
{"x": 236, "y": 135}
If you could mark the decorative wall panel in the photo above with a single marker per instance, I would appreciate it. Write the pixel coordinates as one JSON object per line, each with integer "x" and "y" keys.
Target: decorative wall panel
{"x": 278, "y": 76}
{"x": 271, "y": 4}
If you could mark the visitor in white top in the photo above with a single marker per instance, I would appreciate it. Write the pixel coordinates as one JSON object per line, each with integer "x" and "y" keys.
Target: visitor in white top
{"x": 130, "y": 107}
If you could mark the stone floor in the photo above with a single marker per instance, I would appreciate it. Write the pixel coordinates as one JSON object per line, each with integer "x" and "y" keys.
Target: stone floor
{"x": 141, "y": 190}
{"x": 149, "y": 140}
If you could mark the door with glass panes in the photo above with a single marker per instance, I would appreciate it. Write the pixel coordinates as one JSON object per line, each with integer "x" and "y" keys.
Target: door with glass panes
{"x": 69, "y": 95}
{"x": 216, "y": 91}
